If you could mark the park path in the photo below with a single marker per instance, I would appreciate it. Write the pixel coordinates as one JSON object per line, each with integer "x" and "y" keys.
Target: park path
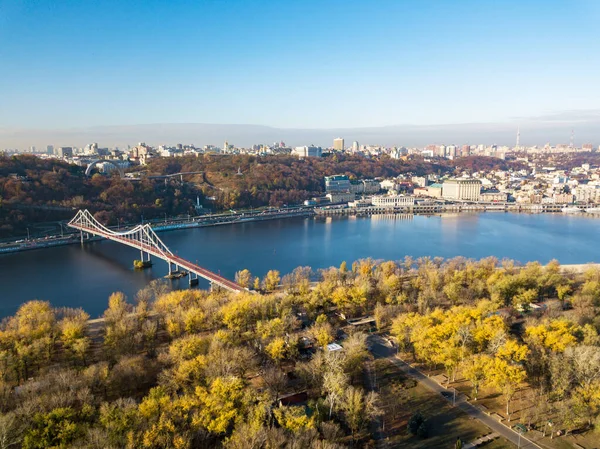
{"x": 377, "y": 426}
{"x": 380, "y": 348}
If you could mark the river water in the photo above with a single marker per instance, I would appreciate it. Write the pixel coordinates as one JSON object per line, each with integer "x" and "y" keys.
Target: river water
{"x": 77, "y": 276}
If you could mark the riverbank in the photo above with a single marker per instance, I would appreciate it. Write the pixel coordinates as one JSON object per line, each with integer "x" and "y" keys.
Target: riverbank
{"x": 174, "y": 224}
{"x": 440, "y": 208}
{"x": 168, "y": 225}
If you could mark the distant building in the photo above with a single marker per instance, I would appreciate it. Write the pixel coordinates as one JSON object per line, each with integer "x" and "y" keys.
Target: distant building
{"x": 338, "y": 144}
{"x": 50, "y": 149}
{"x": 341, "y": 197}
{"x": 388, "y": 184}
{"x": 462, "y": 189}
{"x": 492, "y": 197}
{"x": 419, "y": 181}
{"x": 337, "y": 183}
{"x": 307, "y": 151}
{"x": 64, "y": 152}
{"x": 365, "y": 186}
{"x": 589, "y": 193}
{"x": 434, "y": 190}
{"x": 392, "y": 201}
{"x": 355, "y": 147}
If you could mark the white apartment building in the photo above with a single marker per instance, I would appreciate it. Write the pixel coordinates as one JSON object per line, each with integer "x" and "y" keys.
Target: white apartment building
{"x": 462, "y": 189}
{"x": 392, "y": 201}
{"x": 587, "y": 193}
{"x": 307, "y": 151}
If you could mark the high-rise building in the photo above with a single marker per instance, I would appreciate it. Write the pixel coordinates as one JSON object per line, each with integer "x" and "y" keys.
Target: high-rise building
{"x": 64, "y": 152}
{"x": 338, "y": 144}
{"x": 50, "y": 149}
{"x": 354, "y": 146}
{"x": 225, "y": 147}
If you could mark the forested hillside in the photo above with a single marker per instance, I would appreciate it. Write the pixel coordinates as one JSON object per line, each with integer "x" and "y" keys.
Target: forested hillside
{"x": 34, "y": 190}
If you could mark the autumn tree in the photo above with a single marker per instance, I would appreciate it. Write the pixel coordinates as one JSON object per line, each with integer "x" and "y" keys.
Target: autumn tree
{"x": 243, "y": 278}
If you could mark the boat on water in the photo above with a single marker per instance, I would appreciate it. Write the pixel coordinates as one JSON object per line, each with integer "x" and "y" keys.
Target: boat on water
{"x": 571, "y": 210}
{"x": 593, "y": 210}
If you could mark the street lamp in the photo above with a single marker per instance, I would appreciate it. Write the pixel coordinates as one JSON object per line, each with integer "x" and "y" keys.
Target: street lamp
{"x": 27, "y": 233}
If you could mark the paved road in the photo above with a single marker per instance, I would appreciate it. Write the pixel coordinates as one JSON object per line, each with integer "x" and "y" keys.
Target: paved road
{"x": 381, "y": 349}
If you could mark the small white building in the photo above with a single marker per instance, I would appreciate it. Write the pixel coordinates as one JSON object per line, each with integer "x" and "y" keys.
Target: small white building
{"x": 392, "y": 201}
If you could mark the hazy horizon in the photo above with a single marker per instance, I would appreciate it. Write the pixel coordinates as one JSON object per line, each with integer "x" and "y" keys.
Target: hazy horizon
{"x": 554, "y": 129}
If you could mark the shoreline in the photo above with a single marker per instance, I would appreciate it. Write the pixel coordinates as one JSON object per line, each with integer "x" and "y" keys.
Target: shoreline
{"x": 218, "y": 220}
{"x": 325, "y": 211}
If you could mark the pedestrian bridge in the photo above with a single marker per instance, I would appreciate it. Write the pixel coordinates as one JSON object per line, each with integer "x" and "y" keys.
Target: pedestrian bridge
{"x": 143, "y": 238}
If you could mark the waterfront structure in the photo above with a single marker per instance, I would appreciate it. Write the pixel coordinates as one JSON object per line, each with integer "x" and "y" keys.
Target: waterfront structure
{"x": 307, "y": 151}
{"x": 337, "y": 183}
{"x": 462, "y": 189}
{"x": 143, "y": 238}
{"x": 392, "y": 201}
{"x": 338, "y": 144}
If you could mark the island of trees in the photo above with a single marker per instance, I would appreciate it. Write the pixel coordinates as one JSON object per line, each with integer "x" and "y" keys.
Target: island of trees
{"x": 198, "y": 369}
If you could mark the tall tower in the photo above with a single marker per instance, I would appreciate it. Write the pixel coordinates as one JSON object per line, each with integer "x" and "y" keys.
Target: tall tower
{"x": 518, "y": 137}
{"x": 572, "y": 138}
{"x": 225, "y": 147}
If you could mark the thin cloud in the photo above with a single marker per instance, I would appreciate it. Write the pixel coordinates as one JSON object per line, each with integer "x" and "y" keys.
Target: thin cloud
{"x": 572, "y": 116}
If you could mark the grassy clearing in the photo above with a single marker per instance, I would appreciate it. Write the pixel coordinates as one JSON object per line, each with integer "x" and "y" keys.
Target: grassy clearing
{"x": 402, "y": 397}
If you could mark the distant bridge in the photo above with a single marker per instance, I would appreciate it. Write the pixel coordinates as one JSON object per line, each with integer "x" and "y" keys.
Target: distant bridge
{"x": 144, "y": 239}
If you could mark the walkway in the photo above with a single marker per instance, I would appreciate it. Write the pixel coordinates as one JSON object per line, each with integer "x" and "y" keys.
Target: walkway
{"x": 144, "y": 239}
{"x": 379, "y": 348}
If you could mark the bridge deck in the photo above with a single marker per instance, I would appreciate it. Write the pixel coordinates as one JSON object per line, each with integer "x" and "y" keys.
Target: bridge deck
{"x": 164, "y": 255}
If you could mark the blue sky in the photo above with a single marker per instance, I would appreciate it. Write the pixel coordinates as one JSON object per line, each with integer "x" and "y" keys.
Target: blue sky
{"x": 295, "y": 64}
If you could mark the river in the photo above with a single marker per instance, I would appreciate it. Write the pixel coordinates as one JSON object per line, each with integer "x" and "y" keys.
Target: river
{"x": 77, "y": 276}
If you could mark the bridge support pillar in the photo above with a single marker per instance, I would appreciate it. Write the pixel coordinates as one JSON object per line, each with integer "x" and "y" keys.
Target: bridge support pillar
{"x": 172, "y": 267}
{"x": 193, "y": 279}
{"x": 145, "y": 259}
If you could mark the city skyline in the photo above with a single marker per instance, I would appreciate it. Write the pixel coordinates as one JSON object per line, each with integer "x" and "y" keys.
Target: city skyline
{"x": 555, "y": 129}
{"x": 339, "y": 65}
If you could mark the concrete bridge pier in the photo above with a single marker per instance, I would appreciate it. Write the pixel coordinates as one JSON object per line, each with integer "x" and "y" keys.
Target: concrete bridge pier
{"x": 171, "y": 265}
{"x": 144, "y": 259}
{"x": 84, "y": 236}
{"x": 193, "y": 279}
